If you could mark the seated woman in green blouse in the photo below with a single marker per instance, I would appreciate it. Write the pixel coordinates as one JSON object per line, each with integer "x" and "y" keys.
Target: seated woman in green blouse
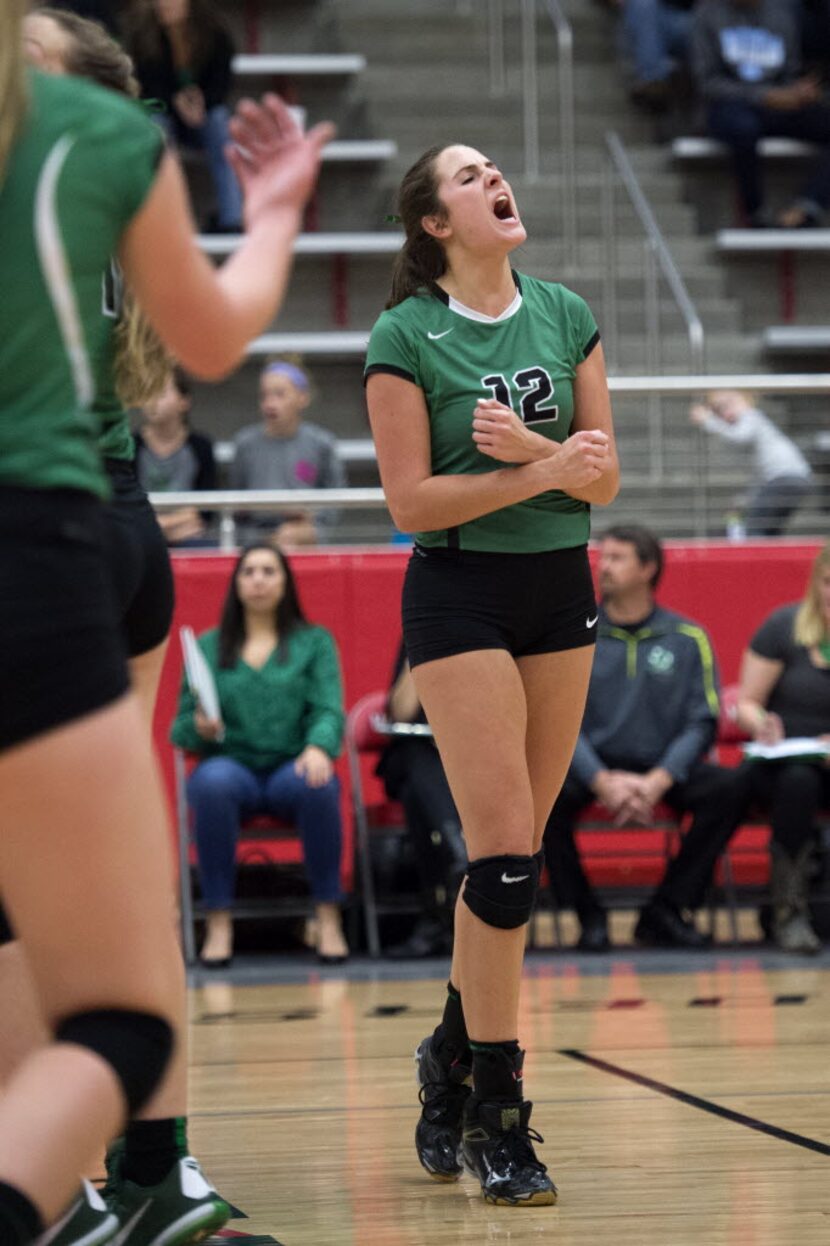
{"x": 281, "y": 702}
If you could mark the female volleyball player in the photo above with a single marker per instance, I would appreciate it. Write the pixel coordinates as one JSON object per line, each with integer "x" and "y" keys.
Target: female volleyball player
{"x": 151, "y": 1160}
{"x": 83, "y": 176}
{"x": 490, "y": 413}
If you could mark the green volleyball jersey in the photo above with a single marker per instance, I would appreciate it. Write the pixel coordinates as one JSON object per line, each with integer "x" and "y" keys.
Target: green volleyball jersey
{"x": 526, "y": 359}
{"x": 79, "y": 171}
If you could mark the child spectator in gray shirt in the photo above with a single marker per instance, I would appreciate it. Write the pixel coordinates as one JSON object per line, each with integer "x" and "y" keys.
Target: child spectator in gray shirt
{"x": 286, "y": 452}
{"x": 782, "y": 474}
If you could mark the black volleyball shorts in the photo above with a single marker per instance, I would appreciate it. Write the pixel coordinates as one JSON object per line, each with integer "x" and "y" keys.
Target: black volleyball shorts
{"x": 139, "y": 563}
{"x": 61, "y": 651}
{"x": 455, "y": 601}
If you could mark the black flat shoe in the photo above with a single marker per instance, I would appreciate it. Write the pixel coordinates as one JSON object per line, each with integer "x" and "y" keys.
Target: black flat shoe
{"x": 340, "y": 959}
{"x": 594, "y": 935}
{"x": 661, "y": 925}
{"x": 220, "y": 962}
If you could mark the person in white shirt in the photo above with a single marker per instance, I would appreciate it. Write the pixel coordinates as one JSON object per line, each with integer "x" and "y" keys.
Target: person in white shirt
{"x": 782, "y": 474}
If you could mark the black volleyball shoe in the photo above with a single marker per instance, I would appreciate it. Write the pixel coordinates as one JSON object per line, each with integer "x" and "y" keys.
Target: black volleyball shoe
{"x": 497, "y": 1149}
{"x": 445, "y": 1086}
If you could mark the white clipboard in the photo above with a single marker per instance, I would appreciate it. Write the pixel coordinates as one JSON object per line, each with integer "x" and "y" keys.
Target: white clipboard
{"x": 795, "y": 746}
{"x": 199, "y": 677}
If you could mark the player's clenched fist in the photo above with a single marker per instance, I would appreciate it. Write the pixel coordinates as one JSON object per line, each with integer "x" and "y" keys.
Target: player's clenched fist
{"x": 580, "y": 460}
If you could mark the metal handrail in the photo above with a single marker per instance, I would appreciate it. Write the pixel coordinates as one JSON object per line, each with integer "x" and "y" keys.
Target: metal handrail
{"x": 660, "y": 248}
{"x": 530, "y": 109}
{"x": 495, "y": 46}
{"x": 759, "y": 382}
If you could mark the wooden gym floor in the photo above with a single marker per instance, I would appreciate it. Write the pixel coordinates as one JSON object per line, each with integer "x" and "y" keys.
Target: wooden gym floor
{"x": 683, "y": 1099}
{"x": 684, "y": 1102}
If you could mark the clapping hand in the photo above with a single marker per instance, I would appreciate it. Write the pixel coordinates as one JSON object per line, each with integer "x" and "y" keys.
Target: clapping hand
{"x": 276, "y": 162}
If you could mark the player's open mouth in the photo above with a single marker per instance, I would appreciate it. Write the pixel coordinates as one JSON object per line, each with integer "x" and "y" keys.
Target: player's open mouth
{"x": 503, "y": 209}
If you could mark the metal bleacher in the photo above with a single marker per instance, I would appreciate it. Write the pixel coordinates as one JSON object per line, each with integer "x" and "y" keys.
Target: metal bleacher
{"x": 698, "y": 147}
{"x": 327, "y": 244}
{"x": 292, "y": 65}
{"x": 791, "y": 250}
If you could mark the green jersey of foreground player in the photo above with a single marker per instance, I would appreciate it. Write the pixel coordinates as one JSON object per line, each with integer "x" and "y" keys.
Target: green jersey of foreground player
{"x": 82, "y": 177}
{"x": 489, "y": 408}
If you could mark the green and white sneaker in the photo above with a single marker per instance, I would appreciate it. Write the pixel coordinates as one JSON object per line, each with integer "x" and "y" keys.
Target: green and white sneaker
{"x": 182, "y": 1209}
{"x": 88, "y": 1222}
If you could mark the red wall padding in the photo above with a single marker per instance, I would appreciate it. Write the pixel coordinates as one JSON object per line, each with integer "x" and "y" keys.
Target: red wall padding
{"x": 729, "y": 588}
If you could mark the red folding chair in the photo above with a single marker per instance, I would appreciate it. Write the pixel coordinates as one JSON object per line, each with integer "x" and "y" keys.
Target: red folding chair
{"x": 263, "y": 841}
{"x": 374, "y": 814}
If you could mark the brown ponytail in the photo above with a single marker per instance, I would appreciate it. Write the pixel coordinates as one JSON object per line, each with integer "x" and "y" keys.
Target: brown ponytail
{"x": 421, "y": 260}
{"x": 142, "y": 362}
{"x": 12, "y": 76}
{"x": 93, "y": 54}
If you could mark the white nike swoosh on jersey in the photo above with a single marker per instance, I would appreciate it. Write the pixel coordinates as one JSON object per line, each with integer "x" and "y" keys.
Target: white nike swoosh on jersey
{"x": 433, "y": 337}
{"x": 520, "y": 878}
{"x": 591, "y": 622}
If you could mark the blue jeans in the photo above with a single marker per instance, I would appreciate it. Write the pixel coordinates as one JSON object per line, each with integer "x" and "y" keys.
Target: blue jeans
{"x": 740, "y": 125}
{"x": 221, "y": 792}
{"x": 213, "y": 137}
{"x": 656, "y": 36}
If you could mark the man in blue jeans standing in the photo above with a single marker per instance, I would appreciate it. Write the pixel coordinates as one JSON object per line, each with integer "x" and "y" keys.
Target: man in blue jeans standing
{"x": 746, "y": 60}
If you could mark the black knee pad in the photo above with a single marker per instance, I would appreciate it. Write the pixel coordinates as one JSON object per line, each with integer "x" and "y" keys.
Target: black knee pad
{"x": 501, "y": 890}
{"x": 7, "y": 935}
{"x": 137, "y": 1045}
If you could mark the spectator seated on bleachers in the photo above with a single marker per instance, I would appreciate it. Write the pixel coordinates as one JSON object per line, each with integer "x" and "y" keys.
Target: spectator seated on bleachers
{"x": 782, "y": 474}
{"x": 272, "y": 749}
{"x": 785, "y": 695}
{"x": 412, "y": 773}
{"x": 170, "y": 457}
{"x": 746, "y": 60}
{"x": 650, "y": 720}
{"x": 656, "y": 40}
{"x": 285, "y": 451}
{"x": 183, "y": 51}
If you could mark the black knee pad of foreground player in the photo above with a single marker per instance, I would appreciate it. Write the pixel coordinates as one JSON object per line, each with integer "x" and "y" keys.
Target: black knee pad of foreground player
{"x": 137, "y": 1046}
{"x": 501, "y": 890}
{"x": 7, "y": 935}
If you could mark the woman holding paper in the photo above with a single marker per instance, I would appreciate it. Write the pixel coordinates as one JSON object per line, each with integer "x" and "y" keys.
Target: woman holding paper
{"x": 784, "y": 699}
{"x": 272, "y": 746}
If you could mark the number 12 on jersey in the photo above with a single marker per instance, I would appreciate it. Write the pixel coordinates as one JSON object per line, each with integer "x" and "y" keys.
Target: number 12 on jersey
{"x": 536, "y": 391}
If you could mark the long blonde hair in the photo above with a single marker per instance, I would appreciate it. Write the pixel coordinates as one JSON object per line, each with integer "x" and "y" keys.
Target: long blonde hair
{"x": 142, "y": 363}
{"x": 12, "y": 76}
{"x": 810, "y": 627}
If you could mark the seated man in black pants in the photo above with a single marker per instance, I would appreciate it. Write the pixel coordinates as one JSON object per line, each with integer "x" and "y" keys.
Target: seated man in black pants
{"x": 650, "y": 719}
{"x": 412, "y": 773}
{"x": 746, "y": 61}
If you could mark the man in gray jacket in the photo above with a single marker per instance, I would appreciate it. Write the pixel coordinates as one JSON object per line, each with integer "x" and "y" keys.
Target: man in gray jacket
{"x": 745, "y": 57}
{"x": 649, "y": 722}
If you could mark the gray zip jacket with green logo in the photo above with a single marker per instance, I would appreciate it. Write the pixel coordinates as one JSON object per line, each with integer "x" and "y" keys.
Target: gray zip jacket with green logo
{"x": 652, "y": 700}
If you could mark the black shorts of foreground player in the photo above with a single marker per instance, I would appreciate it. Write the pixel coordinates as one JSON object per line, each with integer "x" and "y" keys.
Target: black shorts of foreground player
{"x": 489, "y": 408}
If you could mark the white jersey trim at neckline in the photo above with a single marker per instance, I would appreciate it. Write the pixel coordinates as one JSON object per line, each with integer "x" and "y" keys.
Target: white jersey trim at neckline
{"x": 470, "y": 314}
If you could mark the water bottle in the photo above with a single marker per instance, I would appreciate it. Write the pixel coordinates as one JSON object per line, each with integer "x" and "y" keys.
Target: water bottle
{"x": 735, "y": 528}
{"x": 227, "y": 531}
